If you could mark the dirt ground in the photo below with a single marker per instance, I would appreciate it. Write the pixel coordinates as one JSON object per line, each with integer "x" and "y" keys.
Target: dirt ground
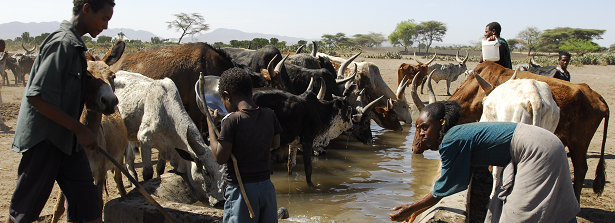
{"x": 593, "y": 208}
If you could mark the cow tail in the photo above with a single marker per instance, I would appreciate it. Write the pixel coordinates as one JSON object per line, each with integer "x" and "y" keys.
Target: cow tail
{"x": 600, "y": 179}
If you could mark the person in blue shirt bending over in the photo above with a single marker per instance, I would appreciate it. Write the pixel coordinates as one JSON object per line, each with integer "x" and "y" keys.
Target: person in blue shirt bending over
{"x": 536, "y": 183}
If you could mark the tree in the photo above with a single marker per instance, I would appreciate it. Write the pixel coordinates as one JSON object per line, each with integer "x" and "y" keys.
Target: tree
{"x": 369, "y": 40}
{"x": 403, "y": 34}
{"x": 301, "y": 42}
{"x": 188, "y": 24}
{"x": 39, "y": 39}
{"x": 612, "y": 47}
{"x": 515, "y": 44}
{"x": 530, "y": 37}
{"x": 157, "y": 40}
{"x": 579, "y": 46}
{"x": 274, "y": 41}
{"x": 25, "y": 37}
{"x": 218, "y": 44}
{"x": 121, "y": 35}
{"x": 337, "y": 39}
{"x": 86, "y": 39}
{"x": 104, "y": 39}
{"x": 430, "y": 31}
{"x": 552, "y": 39}
{"x": 258, "y": 43}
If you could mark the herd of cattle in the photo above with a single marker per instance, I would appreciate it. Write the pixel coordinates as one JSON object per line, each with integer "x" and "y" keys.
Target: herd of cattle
{"x": 316, "y": 98}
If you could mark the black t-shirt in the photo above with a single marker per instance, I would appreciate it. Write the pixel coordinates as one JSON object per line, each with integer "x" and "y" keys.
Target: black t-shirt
{"x": 251, "y": 132}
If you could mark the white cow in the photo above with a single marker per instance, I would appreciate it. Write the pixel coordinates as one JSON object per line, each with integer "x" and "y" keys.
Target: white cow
{"x": 448, "y": 72}
{"x": 155, "y": 117}
{"x": 518, "y": 100}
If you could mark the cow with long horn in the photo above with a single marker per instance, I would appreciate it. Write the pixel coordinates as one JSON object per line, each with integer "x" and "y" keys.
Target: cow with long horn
{"x": 448, "y": 72}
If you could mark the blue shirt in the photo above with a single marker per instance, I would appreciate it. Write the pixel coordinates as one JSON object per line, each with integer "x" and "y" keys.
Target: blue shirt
{"x": 473, "y": 144}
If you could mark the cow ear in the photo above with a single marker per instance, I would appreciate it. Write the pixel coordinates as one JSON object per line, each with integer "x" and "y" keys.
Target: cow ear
{"x": 184, "y": 154}
{"x": 115, "y": 53}
{"x": 379, "y": 109}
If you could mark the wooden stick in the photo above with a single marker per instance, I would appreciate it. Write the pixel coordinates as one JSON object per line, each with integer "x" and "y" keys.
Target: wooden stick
{"x": 135, "y": 182}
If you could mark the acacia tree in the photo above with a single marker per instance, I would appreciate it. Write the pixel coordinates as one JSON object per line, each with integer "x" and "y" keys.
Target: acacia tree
{"x": 579, "y": 46}
{"x": 530, "y": 37}
{"x": 404, "y": 34}
{"x": 188, "y": 24}
{"x": 552, "y": 39}
{"x": 369, "y": 40}
{"x": 430, "y": 31}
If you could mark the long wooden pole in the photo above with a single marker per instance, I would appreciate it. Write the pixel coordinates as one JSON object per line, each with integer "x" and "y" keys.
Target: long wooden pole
{"x": 135, "y": 182}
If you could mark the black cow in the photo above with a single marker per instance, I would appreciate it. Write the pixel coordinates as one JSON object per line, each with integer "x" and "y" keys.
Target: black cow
{"x": 259, "y": 60}
{"x": 306, "y": 121}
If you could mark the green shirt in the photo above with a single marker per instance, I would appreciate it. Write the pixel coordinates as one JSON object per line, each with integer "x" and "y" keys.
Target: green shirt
{"x": 505, "y": 59}
{"x": 56, "y": 76}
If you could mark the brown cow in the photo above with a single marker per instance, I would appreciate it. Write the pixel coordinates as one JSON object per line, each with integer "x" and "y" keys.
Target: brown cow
{"x": 409, "y": 70}
{"x": 182, "y": 64}
{"x": 581, "y": 111}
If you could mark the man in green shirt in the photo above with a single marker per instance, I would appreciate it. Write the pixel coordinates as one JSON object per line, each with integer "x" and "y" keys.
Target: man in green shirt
{"x": 48, "y": 133}
{"x": 492, "y": 32}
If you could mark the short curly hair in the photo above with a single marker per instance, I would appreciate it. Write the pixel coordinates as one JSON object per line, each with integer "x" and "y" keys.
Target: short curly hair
{"x": 450, "y": 111}
{"x": 235, "y": 81}
{"x": 496, "y": 26}
{"x": 96, "y": 4}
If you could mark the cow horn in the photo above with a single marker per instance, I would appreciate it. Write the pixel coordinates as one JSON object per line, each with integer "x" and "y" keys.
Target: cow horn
{"x": 314, "y": 48}
{"x": 342, "y": 81}
{"x": 323, "y": 89}
{"x": 300, "y": 48}
{"x": 432, "y": 95}
{"x": 310, "y": 85}
{"x": 415, "y": 97}
{"x": 368, "y": 108}
{"x": 416, "y": 59}
{"x": 464, "y": 60}
{"x": 514, "y": 76}
{"x": 467, "y": 56}
{"x": 486, "y": 86}
{"x": 278, "y": 68}
{"x": 340, "y": 72}
{"x": 199, "y": 94}
{"x": 28, "y": 51}
{"x": 428, "y": 62}
{"x": 432, "y": 59}
{"x": 402, "y": 88}
{"x": 270, "y": 67}
{"x": 533, "y": 63}
{"x": 359, "y": 103}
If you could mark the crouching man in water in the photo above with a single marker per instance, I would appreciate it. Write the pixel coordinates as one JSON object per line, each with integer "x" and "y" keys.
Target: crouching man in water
{"x": 536, "y": 181}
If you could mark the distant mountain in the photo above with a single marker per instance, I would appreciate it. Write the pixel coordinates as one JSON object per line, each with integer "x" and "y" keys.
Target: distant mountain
{"x": 226, "y": 35}
{"x": 14, "y": 29}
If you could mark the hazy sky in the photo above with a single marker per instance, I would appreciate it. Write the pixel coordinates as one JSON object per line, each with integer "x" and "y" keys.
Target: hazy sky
{"x": 465, "y": 20}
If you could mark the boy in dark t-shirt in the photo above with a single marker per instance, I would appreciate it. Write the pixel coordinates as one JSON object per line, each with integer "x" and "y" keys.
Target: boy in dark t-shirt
{"x": 248, "y": 133}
